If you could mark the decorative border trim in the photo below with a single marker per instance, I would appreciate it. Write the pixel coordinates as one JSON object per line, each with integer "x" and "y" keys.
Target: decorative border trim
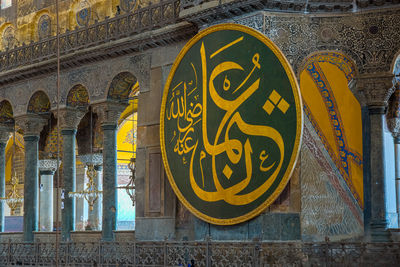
{"x": 345, "y": 153}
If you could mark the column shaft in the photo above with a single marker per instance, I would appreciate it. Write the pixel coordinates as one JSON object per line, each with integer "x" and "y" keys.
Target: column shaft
{"x": 68, "y": 213}
{"x": 377, "y": 161}
{"x": 109, "y": 181}
{"x": 31, "y": 185}
{"x": 397, "y": 177}
{"x": 80, "y": 202}
{"x": 46, "y": 201}
{"x": 94, "y": 215}
{"x": 2, "y": 182}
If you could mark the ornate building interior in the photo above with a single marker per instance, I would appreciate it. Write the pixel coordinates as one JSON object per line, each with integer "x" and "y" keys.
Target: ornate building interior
{"x": 81, "y": 85}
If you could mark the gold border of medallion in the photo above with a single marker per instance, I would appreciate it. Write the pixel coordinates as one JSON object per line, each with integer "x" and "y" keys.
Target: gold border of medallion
{"x": 299, "y": 128}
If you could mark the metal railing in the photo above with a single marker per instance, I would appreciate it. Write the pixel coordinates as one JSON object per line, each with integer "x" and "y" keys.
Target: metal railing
{"x": 143, "y": 19}
{"x": 204, "y": 253}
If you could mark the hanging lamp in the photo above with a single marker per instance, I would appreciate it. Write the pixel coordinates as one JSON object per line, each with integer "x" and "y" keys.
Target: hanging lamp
{"x": 13, "y": 198}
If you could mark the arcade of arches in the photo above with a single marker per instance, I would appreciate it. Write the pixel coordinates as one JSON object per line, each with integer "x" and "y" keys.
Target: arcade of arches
{"x": 108, "y": 112}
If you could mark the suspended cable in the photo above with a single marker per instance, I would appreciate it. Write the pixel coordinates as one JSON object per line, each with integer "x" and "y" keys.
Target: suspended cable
{"x": 58, "y": 133}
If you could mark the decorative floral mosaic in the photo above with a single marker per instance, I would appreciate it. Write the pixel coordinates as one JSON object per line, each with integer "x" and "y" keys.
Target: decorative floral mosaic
{"x": 6, "y": 113}
{"x": 121, "y": 86}
{"x": 78, "y": 96}
{"x": 39, "y": 103}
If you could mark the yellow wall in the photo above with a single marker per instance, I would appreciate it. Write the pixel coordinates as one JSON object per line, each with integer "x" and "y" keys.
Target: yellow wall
{"x": 335, "y": 114}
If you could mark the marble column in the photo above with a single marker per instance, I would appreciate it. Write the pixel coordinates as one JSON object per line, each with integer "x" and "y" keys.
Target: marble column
{"x": 94, "y": 214}
{"x": 377, "y": 89}
{"x": 69, "y": 120}
{"x": 108, "y": 113}
{"x": 47, "y": 168}
{"x": 393, "y": 122}
{"x": 4, "y": 135}
{"x": 32, "y": 125}
{"x": 397, "y": 177}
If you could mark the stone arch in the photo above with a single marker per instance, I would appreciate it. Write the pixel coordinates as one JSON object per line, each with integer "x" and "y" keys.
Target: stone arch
{"x": 339, "y": 59}
{"x": 121, "y": 86}
{"x": 39, "y": 103}
{"x": 78, "y": 97}
{"x": 335, "y": 113}
{"x": 6, "y": 112}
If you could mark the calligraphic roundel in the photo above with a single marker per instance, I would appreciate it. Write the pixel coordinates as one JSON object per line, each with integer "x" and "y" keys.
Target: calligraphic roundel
{"x": 231, "y": 124}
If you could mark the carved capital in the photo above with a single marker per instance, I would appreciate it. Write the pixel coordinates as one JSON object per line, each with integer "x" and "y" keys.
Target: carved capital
{"x": 5, "y": 131}
{"x": 31, "y": 124}
{"x": 48, "y": 165}
{"x": 374, "y": 88}
{"x": 95, "y": 159}
{"x": 69, "y": 118}
{"x": 109, "y": 112}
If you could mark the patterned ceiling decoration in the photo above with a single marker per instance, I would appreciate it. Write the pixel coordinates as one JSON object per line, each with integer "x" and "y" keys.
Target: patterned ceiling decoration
{"x": 44, "y": 26}
{"x": 39, "y": 103}
{"x": 121, "y": 86}
{"x": 78, "y": 96}
{"x": 335, "y": 114}
{"x": 6, "y": 113}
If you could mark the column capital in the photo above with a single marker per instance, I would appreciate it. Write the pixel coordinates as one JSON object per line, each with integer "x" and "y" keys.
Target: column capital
{"x": 95, "y": 159}
{"x": 48, "y": 165}
{"x": 5, "y": 131}
{"x": 373, "y": 90}
{"x": 31, "y": 124}
{"x": 69, "y": 118}
{"x": 109, "y": 112}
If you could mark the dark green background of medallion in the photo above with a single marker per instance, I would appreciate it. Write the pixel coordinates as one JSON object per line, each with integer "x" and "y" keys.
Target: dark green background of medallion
{"x": 273, "y": 76}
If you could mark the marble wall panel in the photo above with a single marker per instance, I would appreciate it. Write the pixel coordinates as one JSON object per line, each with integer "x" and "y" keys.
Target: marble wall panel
{"x": 328, "y": 209}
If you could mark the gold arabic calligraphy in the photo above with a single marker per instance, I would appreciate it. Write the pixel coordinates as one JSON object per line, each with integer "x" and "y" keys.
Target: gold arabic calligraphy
{"x": 188, "y": 115}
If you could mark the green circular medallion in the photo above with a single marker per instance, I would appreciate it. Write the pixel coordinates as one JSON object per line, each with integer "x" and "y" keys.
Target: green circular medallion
{"x": 231, "y": 124}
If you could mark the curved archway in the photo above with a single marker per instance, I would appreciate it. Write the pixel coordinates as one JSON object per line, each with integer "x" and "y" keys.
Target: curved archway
{"x": 121, "y": 86}
{"x": 127, "y": 87}
{"x": 39, "y": 103}
{"x": 340, "y": 60}
{"x": 78, "y": 97}
{"x": 6, "y": 112}
{"x": 335, "y": 114}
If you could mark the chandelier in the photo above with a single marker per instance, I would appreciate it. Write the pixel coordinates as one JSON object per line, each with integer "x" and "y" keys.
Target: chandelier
{"x": 13, "y": 198}
{"x": 90, "y": 193}
{"x": 130, "y": 186}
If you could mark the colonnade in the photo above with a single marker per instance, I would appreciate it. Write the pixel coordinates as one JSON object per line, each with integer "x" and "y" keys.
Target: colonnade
{"x": 32, "y": 124}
